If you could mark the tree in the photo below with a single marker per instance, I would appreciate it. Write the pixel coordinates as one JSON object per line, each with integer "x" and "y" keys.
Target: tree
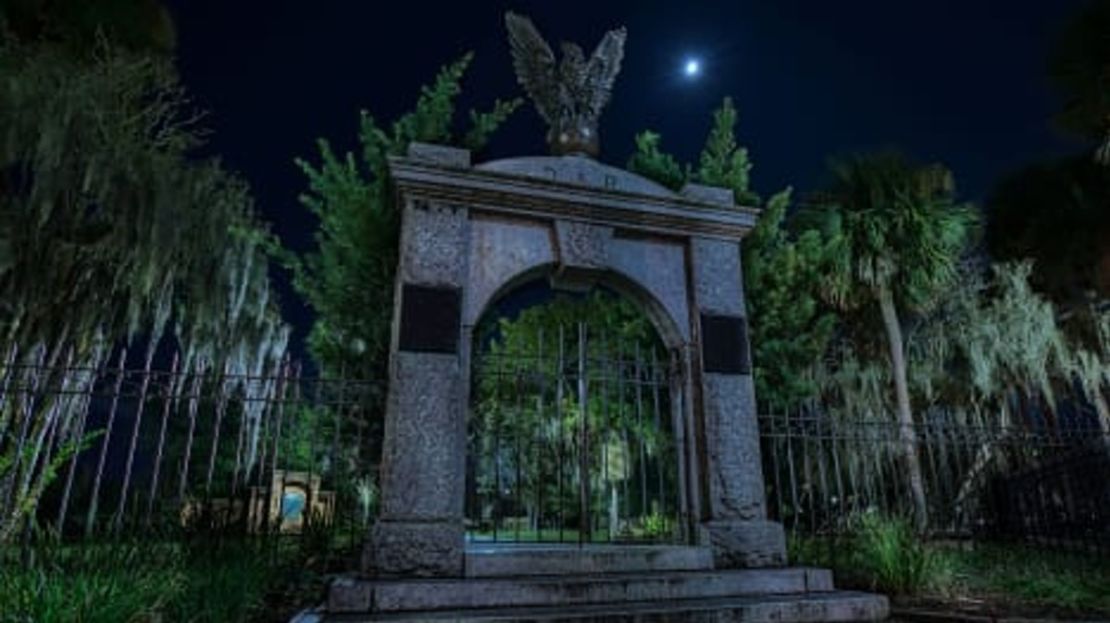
{"x": 723, "y": 162}
{"x": 994, "y": 338}
{"x": 1056, "y": 214}
{"x": 112, "y": 233}
{"x": 347, "y": 280}
{"x": 101, "y": 202}
{"x": 790, "y": 328}
{"x": 143, "y": 26}
{"x": 897, "y": 236}
{"x": 654, "y": 164}
{"x": 1080, "y": 67}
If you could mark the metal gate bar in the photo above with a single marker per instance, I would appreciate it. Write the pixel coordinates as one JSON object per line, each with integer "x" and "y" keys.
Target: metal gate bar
{"x": 571, "y": 439}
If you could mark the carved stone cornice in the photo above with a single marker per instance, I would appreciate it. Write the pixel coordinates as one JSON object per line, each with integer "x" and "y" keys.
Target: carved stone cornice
{"x": 514, "y": 194}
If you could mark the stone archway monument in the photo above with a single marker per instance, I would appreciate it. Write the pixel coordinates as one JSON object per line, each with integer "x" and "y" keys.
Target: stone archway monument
{"x": 468, "y": 233}
{"x": 472, "y": 231}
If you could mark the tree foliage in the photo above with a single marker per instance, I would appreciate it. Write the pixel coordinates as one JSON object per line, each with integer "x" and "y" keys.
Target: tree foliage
{"x": 614, "y": 319}
{"x": 347, "y": 280}
{"x": 649, "y": 161}
{"x": 143, "y": 26}
{"x": 994, "y": 341}
{"x": 1057, "y": 214}
{"x": 1080, "y": 67}
{"x": 723, "y": 162}
{"x": 790, "y": 328}
{"x": 529, "y": 363}
{"x": 111, "y": 232}
{"x": 895, "y": 226}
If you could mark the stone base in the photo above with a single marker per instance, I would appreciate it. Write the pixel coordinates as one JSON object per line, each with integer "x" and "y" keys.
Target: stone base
{"x": 498, "y": 560}
{"x": 709, "y": 596}
{"x": 833, "y": 606}
{"x": 739, "y": 544}
{"x": 414, "y": 549}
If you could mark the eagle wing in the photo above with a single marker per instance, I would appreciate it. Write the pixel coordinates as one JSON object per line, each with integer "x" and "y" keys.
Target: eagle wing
{"x": 534, "y": 63}
{"x": 603, "y": 68}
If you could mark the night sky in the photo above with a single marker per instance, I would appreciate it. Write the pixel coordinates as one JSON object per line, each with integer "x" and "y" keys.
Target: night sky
{"x": 960, "y": 82}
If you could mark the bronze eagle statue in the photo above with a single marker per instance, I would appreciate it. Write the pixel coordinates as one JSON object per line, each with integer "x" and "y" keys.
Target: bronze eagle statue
{"x": 568, "y": 95}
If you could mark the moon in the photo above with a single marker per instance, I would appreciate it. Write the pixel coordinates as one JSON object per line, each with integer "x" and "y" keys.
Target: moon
{"x": 692, "y": 68}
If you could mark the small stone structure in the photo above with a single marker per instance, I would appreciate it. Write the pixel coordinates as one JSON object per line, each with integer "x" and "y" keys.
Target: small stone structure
{"x": 470, "y": 233}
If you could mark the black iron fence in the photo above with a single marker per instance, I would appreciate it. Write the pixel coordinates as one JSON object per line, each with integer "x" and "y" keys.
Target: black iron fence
{"x": 1036, "y": 483}
{"x": 573, "y": 440}
{"x": 109, "y": 450}
{"x": 1063, "y": 501}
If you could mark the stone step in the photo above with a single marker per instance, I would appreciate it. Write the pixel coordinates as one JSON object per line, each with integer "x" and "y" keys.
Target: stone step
{"x": 360, "y": 595}
{"x": 832, "y": 606}
{"x": 503, "y": 560}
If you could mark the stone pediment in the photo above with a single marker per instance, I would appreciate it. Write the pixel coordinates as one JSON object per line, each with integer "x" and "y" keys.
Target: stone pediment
{"x": 579, "y": 171}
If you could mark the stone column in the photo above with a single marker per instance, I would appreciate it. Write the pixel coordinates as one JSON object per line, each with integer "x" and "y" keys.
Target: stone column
{"x": 420, "y": 528}
{"x": 735, "y": 521}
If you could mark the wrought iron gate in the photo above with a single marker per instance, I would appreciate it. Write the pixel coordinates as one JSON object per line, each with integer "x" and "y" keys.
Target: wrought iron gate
{"x": 571, "y": 439}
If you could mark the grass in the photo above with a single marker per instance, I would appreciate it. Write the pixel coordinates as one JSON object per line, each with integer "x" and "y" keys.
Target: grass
{"x": 884, "y": 555}
{"x": 264, "y": 580}
{"x": 220, "y": 580}
{"x": 1036, "y": 576}
{"x": 95, "y": 583}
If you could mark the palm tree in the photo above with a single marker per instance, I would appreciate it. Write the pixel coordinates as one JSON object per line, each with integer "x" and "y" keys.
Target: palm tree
{"x": 897, "y": 235}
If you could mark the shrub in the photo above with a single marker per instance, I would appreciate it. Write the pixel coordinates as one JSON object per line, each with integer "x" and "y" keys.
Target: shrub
{"x": 884, "y": 554}
{"x": 812, "y": 551}
{"x": 879, "y": 553}
{"x": 896, "y": 560}
{"x": 658, "y": 526}
{"x": 227, "y": 582}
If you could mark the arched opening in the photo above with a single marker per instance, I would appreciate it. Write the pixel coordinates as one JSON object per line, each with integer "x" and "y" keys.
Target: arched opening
{"x": 575, "y": 419}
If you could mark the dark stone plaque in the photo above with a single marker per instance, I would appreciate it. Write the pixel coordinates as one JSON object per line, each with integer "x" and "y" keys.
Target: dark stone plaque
{"x": 724, "y": 344}
{"x": 429, "y": 319}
